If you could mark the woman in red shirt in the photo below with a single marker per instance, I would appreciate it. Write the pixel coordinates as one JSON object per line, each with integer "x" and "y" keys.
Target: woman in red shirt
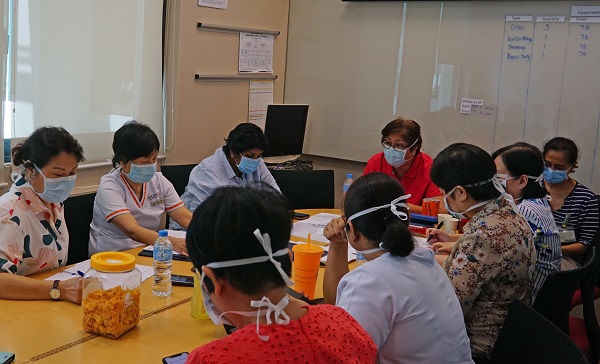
{"x": 402, "y": 159}
{"x": 238, "y": 241}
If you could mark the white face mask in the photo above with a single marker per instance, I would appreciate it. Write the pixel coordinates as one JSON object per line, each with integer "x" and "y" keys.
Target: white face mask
{"x": 276, "y": 310}
{"x": 497, "y": 184}
{"x": 393, "y": 207}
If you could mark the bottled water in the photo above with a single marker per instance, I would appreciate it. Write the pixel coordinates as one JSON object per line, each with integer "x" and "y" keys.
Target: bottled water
{"x": 163, "y": 261}
{"x": 360, "y": 259}
{"x": 347, "y": 184}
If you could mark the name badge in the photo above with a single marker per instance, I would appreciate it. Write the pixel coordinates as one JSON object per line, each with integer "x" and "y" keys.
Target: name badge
{"x": 567, "y": 236}
{"x": 158, "y": 202}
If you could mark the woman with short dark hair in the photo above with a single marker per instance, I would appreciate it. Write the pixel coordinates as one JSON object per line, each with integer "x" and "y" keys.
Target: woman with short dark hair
{"x": 402, "y": 159}
{"x": 401, "y": 296}
{"x": 132, "y": 197}
{"x": 520, "y": 167}
{"x": 573, "y": 204}
{"x": 33, "y": 232}
{"x": 237, "y": 163}
{"x": 491, "y": 264}
{"x": 238, "y": 240}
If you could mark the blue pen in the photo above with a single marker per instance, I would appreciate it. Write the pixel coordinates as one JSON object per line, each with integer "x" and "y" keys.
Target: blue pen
{"x": 80, "y": 273}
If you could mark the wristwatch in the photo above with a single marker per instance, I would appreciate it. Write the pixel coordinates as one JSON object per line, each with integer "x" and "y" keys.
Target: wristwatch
{"x": 55, "y": 292}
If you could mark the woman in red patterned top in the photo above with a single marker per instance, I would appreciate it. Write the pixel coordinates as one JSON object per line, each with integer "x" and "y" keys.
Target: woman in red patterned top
{"x": 402, "y": 159}
{"x": 238, "y": 240}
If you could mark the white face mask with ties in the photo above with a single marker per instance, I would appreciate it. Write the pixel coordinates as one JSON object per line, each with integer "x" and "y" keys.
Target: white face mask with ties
{"x": 497, "y": 185}
{"x": 275, "y": 310}
{"x": 393, "y": 207}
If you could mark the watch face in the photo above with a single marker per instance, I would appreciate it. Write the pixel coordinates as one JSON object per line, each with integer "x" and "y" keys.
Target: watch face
{"x": 54, "y": 293}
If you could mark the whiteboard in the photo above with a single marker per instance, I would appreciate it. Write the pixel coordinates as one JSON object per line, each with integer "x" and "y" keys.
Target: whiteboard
{"x": 534, "y": 66}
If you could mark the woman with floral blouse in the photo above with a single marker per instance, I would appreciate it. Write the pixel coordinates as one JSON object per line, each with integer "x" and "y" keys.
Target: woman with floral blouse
{"x": 492, "y": 263}
{"x": 33, "y": 234}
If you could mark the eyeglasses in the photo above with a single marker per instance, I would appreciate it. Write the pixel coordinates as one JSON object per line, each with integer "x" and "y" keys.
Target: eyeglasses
{"x": 398, "y": 147}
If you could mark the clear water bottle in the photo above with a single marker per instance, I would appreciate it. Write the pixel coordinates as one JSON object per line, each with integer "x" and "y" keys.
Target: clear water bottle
{"x": 163, "y": 261}
{"x": 360, "y": 259}
{"x": 347, "y": 184}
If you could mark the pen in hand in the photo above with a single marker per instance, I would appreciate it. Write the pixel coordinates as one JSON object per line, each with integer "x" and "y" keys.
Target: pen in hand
{"x": 439, "y": 225}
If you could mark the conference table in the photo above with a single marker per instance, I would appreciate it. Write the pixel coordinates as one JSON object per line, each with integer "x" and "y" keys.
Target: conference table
{"x": 51, "y": 332}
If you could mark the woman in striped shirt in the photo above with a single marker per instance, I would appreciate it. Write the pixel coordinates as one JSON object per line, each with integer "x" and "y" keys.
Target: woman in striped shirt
{"x": 520, "y": 167}
{"x": 571, "y": 199}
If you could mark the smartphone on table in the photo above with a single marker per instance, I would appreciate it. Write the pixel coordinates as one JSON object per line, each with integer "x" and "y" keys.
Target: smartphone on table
{"x": 6, "y": 358}
{"x": 176, "y": 359}
{"x": 179, "y": 280}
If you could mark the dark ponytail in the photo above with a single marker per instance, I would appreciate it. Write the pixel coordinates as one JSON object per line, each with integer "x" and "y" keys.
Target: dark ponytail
{"x": 377, "y": 189}
{"x": 396, "y": 238}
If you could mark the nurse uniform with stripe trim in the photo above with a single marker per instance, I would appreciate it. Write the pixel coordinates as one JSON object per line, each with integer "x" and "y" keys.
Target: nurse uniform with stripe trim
{"x": 115, "y": 197}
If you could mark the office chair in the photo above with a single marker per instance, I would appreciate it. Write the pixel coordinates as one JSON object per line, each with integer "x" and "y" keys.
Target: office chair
{"x": 554, "y": 299}
{"x": 179, "y": 176}
{"x": 311, "y": 189}
{"x": 586, "y": 332}
{"x": 79, "y": 211}
{"x": 528, "y": 337}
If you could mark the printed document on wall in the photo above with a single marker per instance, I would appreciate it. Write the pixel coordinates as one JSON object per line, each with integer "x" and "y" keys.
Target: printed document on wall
{"x": 217, "y": 4}
{"x": 261, "y": 95}
{"x": 256, "y": 52}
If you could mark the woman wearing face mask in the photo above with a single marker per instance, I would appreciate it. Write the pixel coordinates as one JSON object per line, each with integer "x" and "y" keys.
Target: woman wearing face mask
{"x": 520, "y": 167}
{"x": 238, "y": 243}
{"x": 33, "y": 233}
{"x": 402, "y": 159}
{"x": 492, "y": 264}
{"x": 570, "y": 198}
{"x": 133, "y": 196}
{"x": 237, "y": 163}
{"x": 401, "y": 291}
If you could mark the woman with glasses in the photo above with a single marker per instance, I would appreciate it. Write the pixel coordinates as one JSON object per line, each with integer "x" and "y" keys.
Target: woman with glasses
{"x": 33, "y": 232}
{"x": 132, "y": 198}
{"x": 402, "y": 159}
{"x": 238, "y": 244}
{"x": 492, "y": 263}
{"x": 520, "y": 167}
{"x": 574, "y": 206}
{"x": 237, "y": 163}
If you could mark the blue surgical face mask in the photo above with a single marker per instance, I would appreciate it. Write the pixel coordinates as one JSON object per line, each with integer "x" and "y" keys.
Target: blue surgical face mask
{"x": 394, "y": 157}
{"x": 555, "y": 175}
{"x": 141, "y": 173}
{"x": 248, "y": 165}
{"x": 56, "y": 189}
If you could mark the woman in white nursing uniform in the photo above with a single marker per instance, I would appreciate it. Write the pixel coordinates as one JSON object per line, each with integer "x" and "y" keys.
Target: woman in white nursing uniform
{"x": 401, "y": 296}
{"x": 133, "y": 196}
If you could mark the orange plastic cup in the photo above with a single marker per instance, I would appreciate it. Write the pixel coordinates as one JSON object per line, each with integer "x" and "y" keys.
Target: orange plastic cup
{"x": 306, "y": 267}
{"x": 430, "y": 207}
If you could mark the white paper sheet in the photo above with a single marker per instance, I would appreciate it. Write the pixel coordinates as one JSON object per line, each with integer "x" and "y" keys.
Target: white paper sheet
{"x": 217, "y": 4}
{"x": 313, "y": 225}
{"x": 256, "y": 52}
{"x": 261, "y": 95}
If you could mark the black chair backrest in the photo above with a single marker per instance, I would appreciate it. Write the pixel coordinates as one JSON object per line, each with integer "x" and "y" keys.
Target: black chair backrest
{"x": 528, "y": 337}
{"x": 588, "y": 284}
{"x": 554, "y": 298}
{"x": 178, "y": 175}
{"x": 79, "y": 211}
{"x": 312, "y": 189}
